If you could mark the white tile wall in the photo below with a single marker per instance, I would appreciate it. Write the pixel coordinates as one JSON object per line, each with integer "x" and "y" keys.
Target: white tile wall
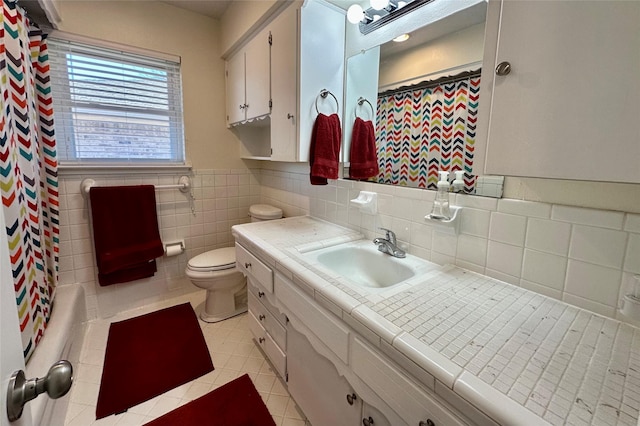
{"x": 222, "y": 199}
{"x": 586, "y": 257}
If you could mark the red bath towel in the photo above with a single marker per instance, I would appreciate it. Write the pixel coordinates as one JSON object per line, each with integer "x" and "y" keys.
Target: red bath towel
{"x": 125, "y": 232}
{"x": 364, "y": 154}
{"x": 325, "y": 149}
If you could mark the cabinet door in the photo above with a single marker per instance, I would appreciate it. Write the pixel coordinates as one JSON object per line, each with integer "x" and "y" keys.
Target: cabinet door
{"x": 284, "y": 82}
{"x": 235, "y": 88}
{"x": 257, "y": 76}
{"x": 317, "y": 387}
{"x": 569, "y": 107}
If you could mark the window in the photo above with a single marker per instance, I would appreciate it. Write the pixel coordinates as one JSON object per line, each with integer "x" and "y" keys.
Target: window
{"x": 113, "y": 106}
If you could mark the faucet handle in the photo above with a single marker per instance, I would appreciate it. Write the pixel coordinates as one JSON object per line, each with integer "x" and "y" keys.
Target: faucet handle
{"x": 391, "y": 236}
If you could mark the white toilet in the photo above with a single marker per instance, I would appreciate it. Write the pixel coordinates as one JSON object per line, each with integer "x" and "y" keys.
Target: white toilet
{"x": 215, "y": 271}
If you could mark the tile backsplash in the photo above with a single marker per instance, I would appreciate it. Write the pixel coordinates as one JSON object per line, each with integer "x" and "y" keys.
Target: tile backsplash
{"x": 585, "y": 257}
{"x": 221, "y": 199}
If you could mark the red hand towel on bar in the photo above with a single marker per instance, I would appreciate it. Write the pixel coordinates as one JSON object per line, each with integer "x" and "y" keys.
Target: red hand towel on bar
{"x": 325, "y": 148}
{"x": 364, "y": 155}
{"x": 125, "y": 232}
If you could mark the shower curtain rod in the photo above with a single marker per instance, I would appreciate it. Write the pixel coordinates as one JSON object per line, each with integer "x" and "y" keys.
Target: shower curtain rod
{"x": 432, "y": 83}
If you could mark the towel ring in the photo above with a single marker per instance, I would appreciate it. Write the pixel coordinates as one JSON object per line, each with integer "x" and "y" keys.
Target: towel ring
{"x": 323, "y": 94}
{"x": 362, "y": 100}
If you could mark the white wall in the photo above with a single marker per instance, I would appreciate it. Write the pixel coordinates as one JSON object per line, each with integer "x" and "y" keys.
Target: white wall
{"x": 222, "y": 199}
{"x": 196, "y": 39}
{"x": 242, "y": 18}
{"x": 224, "y": 187}
{"x": 445, "y": 53}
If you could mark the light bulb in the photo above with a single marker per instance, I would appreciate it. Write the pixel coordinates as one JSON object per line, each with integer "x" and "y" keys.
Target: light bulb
{"x": 379, "y": 4}
{"x": 401, "y": 38}
{"x": 355, "y": 13}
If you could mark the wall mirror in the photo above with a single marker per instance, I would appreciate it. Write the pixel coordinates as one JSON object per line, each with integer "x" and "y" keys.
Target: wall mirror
{"x": 422, "y": 97}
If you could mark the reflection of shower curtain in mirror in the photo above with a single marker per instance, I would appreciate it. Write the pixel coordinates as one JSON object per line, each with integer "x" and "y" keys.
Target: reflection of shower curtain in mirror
{"x": 419, "y": 132}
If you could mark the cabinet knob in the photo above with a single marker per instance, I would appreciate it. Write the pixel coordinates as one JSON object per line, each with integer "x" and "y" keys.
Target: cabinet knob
{"x": 261, "y": 340}
{"x": 351, "y": 398}
{"x": 241, "y": 106}
{"x": 247, "y": 265}
{"x": 503, "y": 68}
{"x": 429, "y": 422}
{"x": 367, "y": 422}
{"x": 289, "y": 116}
{"x": 261, "y": 317}
{"x": 260, "y": 293}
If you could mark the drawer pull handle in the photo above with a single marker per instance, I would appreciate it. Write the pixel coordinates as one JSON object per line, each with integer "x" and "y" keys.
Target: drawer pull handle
{"x": 247, "y": 265}
{"x": 260, "y": 293}
{"x": 261, "y": 317}
{"x": 351, "y": 398}
{"x": 367, "y": 422}
{"x": 261, "y": 340}
{"x": 429, "y": 422}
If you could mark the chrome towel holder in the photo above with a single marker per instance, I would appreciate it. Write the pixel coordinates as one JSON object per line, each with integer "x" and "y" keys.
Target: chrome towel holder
{"x": 323, "y": 94}
{"x": 362, "y": 100}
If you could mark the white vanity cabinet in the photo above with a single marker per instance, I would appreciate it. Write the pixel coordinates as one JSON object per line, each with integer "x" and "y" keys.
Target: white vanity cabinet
{"x": 267, "y": 324}
{"x": 568, "y": 106}
{"x": 247, "y": 79}
{"x": 334, "y": 374}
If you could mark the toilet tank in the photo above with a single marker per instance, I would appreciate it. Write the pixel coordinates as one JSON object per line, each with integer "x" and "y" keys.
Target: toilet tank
{"x": 261, "y": 212}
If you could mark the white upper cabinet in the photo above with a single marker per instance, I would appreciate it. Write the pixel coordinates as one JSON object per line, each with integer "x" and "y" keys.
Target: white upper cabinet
{"x": 248, "y": 81}
{"x": 284, "y": 66}
{"x": 569, "y": 107}
{"x": 306, "y": 56}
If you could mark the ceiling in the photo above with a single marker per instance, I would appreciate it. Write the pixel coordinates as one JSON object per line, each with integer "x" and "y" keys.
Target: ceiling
{"x": 210, "y": 8}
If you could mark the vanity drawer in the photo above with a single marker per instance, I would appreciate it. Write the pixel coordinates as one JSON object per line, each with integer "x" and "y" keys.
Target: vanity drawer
{"x": 268, "y": 321}
{"x": 413, "y": 404}
{"x": 251, "y": 266}
{"x": 326, "y": 326}
{"x": 277, "y": 357}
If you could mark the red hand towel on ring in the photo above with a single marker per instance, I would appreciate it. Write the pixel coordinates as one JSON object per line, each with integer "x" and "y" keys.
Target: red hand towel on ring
{"x": 364, "y": 154}
{"x": 325, "y": 148}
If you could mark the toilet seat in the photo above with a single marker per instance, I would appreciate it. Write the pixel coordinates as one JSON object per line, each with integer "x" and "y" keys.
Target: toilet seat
{"x": 213, "y": 260}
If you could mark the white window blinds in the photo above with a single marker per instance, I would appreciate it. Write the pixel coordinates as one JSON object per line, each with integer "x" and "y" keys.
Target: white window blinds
{"x": 113, "y": 106}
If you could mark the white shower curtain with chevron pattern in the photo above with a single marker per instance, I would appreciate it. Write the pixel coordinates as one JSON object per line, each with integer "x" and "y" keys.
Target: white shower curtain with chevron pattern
{"x": 28, "y": 170}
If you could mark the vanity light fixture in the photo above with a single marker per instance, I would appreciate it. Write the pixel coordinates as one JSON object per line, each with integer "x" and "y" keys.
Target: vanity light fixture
{"x": 380, "y": 13}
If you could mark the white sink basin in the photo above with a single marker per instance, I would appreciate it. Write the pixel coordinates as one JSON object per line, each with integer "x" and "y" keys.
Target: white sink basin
{"x": 363, "y": 265}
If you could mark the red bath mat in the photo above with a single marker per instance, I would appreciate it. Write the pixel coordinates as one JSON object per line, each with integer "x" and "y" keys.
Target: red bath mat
{"x": 237, "y": 403}
{"x": 149, "y": 355}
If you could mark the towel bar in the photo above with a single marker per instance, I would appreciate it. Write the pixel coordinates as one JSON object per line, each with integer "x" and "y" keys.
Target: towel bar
{"x": 183, "y": 185}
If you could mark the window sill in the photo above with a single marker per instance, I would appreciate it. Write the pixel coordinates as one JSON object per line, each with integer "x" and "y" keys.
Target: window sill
{"x": 122, "y": 169}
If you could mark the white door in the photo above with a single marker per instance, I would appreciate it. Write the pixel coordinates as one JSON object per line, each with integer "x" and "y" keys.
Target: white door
{"x": 11, "y": 358}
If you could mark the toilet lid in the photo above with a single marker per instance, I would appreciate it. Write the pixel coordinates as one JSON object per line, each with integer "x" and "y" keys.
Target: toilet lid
{"x": 214, "y": 260}
{"x": 265, "y": 211}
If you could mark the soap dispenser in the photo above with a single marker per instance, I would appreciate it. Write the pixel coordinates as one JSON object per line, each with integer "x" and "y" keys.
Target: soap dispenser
{"x": 458, "y": 182}
{"x": 441, "y": 204}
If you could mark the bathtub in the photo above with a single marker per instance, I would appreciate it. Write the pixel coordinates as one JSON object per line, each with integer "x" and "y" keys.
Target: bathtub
{"x": 62, "y": 340}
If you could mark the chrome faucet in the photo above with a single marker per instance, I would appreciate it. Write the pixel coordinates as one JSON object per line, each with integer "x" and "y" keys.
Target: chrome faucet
{"x": 388, "y": 244}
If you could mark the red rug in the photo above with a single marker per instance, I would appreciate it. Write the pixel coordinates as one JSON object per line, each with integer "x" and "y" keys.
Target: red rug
{"x": 237, "y": 403}
{"x": 149, "y": 355}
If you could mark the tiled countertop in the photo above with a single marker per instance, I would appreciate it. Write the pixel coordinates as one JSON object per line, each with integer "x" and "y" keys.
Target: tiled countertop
{"x": 512, "y": 353}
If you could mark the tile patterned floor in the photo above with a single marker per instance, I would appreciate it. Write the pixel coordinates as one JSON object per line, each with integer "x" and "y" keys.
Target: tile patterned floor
{"x": 233, "y": 352}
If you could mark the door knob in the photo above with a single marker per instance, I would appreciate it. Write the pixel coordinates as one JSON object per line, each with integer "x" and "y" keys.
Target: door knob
{"x": 56, "y": 384}
{"x": 503, "y": 68}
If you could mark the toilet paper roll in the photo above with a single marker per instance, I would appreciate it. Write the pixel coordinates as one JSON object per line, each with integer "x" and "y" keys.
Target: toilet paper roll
{"x": 173, "y": 249}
